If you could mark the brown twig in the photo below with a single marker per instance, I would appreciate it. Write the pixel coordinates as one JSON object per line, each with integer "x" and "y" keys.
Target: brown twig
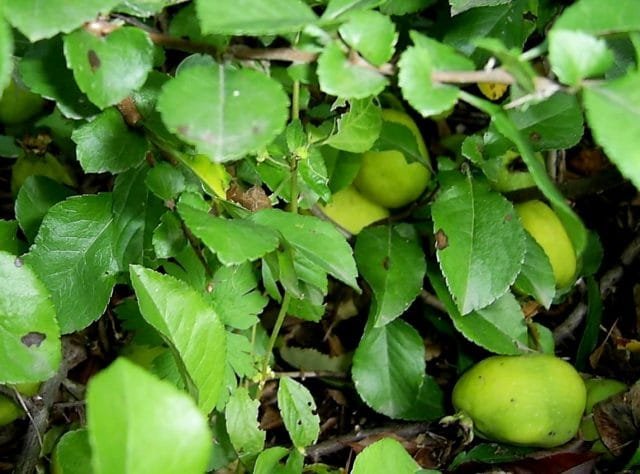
{"x": 432, "y": 301}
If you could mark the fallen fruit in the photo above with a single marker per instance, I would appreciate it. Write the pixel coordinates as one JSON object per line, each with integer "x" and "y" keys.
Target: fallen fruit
{"x": 18, "y": 104}
{"x": 597, "y": 390}
{"x": 528, "y": 400}
{"x": 352, "y": 211}
{"x": 545, "y": 227}
{"x": 386, "y": 178}
{"x": 9, "y": 411}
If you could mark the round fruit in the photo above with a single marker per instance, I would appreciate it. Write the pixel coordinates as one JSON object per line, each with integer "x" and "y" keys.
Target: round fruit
{"x": 545, "y": 227}
{"x": 9, "y": 411}
{"x": 597, "y": 390}
{"x": 526, "y": 400}
{"x": 18, "y": 104}
{"x": 352, "y": 211}
{"x": 386, "y": 178}
{"x": 28, "y": 389}
{"x": 503, "y": 178}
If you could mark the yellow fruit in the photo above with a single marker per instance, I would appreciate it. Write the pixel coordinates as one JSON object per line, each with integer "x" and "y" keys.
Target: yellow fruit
{"x": 526, "y": 400}
{"x": 386, "y": 178}
{"x": 352, "y": 211}
{"x": 9, "y": 411}
{"x": 18, "y": 104}
{"x": 545, "y": 227}
{"x": 492, "y": 90}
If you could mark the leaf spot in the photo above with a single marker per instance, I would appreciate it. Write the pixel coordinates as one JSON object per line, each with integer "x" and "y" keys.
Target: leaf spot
{"x": 94, "y": 60}
{"x": 442, "y": 241}
{"x": 33, "y": 339}
{"x": 18, "y": 262}
{"x": 386, "y": 263}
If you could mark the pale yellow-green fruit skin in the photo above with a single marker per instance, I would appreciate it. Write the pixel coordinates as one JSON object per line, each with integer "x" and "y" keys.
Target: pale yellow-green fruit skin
{"x": 545, "y": 227}
{"x": 9, "y": 411}
{"x": 528, "y": 400}
{"x": 18, "y": 104}
{"x": 597, "y": 390}
{"x": 352, "y": 211}
{"x": 386, "y": 178}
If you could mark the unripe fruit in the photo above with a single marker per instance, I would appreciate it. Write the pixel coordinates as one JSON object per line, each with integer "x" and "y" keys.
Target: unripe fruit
{"x": 597, "y": 390}
{"x": 545, "y": 227}
{"x": 352, "y": 211}
{"x": 9, "y": 411}
{"x": 386, "y": 178}
{"x": 18, "y": 104}
{"x": 526, "y": 400}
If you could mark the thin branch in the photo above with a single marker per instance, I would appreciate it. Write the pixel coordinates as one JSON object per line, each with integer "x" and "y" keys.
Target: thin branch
{"x": 499, "y": 76}
{"x": 432, "y": 301}
{"x": 303, "y": 374}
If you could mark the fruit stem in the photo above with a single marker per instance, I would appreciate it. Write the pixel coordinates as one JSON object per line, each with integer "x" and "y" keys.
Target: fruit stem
{"x": 274, "y": 335}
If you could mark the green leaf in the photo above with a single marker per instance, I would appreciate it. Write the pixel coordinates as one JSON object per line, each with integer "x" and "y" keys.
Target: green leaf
{"x": 598, "y": 18}
{"x": 38, "y": 20}
{"x": 403, "y": 7}
{"x": 298, "y": 411}
{"x": 575, "y": 56}
{"x": 165, "y": 181}
{"x": 253, "y": 17}
{"x": 416, "y": 66}
{"x": 589, "y": 339}
{"x": 168, "y": 237}
{"x": 472, "y": 221}
{"x": 72, "y": 454}
{"x": 555, "y": 123}
{"x": 241, "y": 414}
{"x": 109, "y": 68}
{"x": 499, "y": 327}
{"x": 314, "y": 239}
{"x": 337, "y": 8}
{"x": 389, "y": 373}
{"x": 107, "y": 145}
{"x": 345, "y": 77}
{"x": 9, "y": 237}
{"x": 536, "y": 277}
{"x": 459, "y": 6}
{"x": 269, "y": 461}
{"x": 139, "y": 424}
{"x": 145, "y": 8}
{"x": 73, "y": 256}
{"x": 236, "y": 297}
{"x": 358, "y": 128}
{"x": 190, "y": 325}
{"x": 29, "y": 335}
{"x": 613, "y": 113}
{"x": 384, "y": 456}
{"x": 372, "y": 34}
{"x": 392, "y": 262}
{"x": 226, "y": 113}
{"x": 309, "y": 359}
{"x": 6, "y": 54}
{"x": 44, "y": 70}
{"x": 234, "y": 241}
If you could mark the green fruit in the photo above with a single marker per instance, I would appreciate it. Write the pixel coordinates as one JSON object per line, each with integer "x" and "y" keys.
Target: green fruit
{"x": 352, "y": 211}
{"x": 505, "y": 179}
{"x": 545, "y": 227}
{"x": 9, "y": 411}
{"x": 386, "y": 178}
{"x": 597, "y": 390}
{"x": 526, "y": 400}
{"x": 28, "y": 389}
{"x": 18, "y": 104}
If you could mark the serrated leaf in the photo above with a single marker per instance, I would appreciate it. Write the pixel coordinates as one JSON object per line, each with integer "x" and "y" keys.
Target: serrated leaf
{"x": 471, "y": 221}
{"x": 613, "y": 113}
{"x": 385, "y": 455}
{"x": 6, "y": 54}
{"x": 372, "y": 34}
{"x": 241, "y": 414}
{"x": 316, "y": 240}
{"x": 38, "y": 20}
{"x": 312, "y": 173}
{"x": 73, "y": 256}
{"x": 598, "y": 18}
{"x": 337, "y": 8}
{"x": 168, "y": 238}
{"x": 308, "y": 359}
{"x": 536, "y": 277}
{"x": 30, "y": 348}
{"x": 393, "y": 265}
{"x": 72, "y": 454}
{"x": 555, "y": 123}
{"x": 36, "y": 196}
{"x": 44, "y": 70}
{"x": 107, "y": 145}
{"x": 241, "y": 354}
{"x": 253, "y": 17}
{"x": 226, "y": 113}
{"x": 236, "y": 297}
{"x": 575, "y": 56}
{"x": 109, "y": 68}
{"x": 165, "y": 181}
{"x": 404, "y": 7}
{"x": 145, "y": 8}
{"x": 234, "y": 241}
{"x": 459, "y": 6}
{"x": 190, "y": 325}
{"x": 389, "y": 373}
{"x": 139, "y": 424}
{"x": 343, "y": 77}
{"x": 499, "y": 327}
{"x": 416, "y": 66}
{"x": 358, "y": 128}
{"x": 298, "y": 411}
